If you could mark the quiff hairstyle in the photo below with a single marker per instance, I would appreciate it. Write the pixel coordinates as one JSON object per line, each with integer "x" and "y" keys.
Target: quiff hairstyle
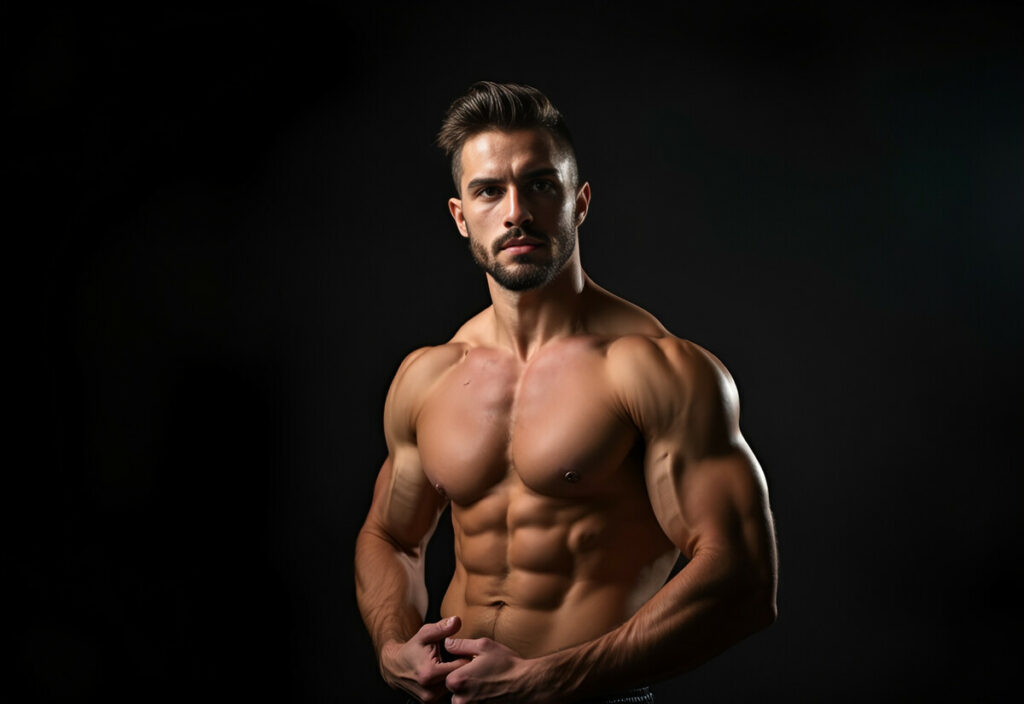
{"x": 504, "y": 106}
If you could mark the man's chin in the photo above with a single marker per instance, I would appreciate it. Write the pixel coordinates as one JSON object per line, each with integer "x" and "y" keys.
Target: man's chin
{"x": 521, "y": 280}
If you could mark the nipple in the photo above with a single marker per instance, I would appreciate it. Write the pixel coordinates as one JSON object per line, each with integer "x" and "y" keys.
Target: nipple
{"x": 571, "y": 477}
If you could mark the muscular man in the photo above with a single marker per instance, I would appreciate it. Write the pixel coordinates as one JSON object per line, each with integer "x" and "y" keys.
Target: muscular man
{"x": 581, "y": 448}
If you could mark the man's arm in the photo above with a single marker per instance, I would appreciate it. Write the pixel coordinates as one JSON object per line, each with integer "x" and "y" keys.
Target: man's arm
{"x": 709, "y": 496}
{"x": 390, "y": 548}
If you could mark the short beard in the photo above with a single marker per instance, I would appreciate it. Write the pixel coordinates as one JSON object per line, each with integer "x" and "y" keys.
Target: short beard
{"x": 526, "y": 275}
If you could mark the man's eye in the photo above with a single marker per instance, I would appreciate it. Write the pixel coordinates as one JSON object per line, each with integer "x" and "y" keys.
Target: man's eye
{"x": 543, "y": 186}
{"x": 488, "y": 191}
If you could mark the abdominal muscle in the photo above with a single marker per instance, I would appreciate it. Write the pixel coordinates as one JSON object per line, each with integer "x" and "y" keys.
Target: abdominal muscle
{"x": 539, "y": 574}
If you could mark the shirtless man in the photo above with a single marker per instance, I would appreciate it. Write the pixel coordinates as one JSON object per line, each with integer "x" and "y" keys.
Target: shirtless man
{"x": 581, "y": 447}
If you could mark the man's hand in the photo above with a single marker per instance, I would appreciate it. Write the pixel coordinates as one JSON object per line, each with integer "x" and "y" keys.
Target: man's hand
{"x": 496, "y": 674}
{"x": 416, "y": 666}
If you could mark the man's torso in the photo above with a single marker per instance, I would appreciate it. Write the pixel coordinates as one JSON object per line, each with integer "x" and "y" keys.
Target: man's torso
{"x": 555, "y": 539}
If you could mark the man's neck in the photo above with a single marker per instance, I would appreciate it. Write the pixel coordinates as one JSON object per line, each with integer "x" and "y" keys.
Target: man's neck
{"x": 526, "y": 320}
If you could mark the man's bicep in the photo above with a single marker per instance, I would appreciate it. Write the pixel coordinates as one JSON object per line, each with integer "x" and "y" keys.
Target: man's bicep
{"x": 405, "y": 506}
{"x": 706, "y": 487}
{"x": 715, "y": 503}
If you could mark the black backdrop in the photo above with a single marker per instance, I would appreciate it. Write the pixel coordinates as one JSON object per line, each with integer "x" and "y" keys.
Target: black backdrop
{"x": 239, "y": 223}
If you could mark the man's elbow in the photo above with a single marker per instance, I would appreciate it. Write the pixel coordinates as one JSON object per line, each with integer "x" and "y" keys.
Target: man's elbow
{"x": 748, "y": 591}
{"x": 754, "y": 591}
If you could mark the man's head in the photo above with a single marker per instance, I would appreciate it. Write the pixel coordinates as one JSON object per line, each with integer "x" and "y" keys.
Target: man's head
{"x": 501, "y": 106}
{"x": 520, "y": 201}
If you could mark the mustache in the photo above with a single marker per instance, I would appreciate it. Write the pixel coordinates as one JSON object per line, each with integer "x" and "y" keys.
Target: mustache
{"x": 519, "y": 231}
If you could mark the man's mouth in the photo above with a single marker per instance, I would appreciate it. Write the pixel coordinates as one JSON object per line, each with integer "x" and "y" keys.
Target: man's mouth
{"x": 520, "y": 243}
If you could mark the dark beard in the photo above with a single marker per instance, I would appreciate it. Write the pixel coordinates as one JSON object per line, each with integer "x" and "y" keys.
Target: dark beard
{"x": 526, "y": 274}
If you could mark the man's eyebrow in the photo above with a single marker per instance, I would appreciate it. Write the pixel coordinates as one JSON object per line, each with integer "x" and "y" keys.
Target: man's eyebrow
{"x": 482, "y": 181}
{"x": 491, "y": 181}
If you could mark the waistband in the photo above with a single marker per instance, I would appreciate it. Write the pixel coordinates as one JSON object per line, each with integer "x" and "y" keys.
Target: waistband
{"x": 640, "y": 695}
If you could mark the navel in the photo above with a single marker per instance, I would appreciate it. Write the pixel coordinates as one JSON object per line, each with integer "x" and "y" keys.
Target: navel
{"x": 571, "y": 477}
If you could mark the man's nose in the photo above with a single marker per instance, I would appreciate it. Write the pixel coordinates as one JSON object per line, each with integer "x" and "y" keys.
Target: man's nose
{"x": 518, "y": 210}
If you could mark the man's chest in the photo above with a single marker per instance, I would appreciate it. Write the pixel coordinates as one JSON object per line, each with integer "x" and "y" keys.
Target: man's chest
{"x": 553, "y": 422}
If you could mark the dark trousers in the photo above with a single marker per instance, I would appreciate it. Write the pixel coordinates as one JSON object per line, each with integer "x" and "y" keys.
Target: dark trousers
{"x": 640, "y": 695}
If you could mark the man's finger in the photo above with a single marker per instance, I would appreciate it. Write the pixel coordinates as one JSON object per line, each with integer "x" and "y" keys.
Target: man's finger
{"x": 433, "y": 632}
{"x": 429, "y": 674}
{"x": 467, "y": 646}
{"x": 446, "y": 668}
{"x": 429, "y": 684}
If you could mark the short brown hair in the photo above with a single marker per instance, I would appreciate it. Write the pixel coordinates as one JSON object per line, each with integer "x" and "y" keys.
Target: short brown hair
{"x": 505, "y": 106}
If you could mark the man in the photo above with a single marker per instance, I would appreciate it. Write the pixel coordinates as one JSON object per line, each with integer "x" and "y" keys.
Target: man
{"x": 581, "y": 448}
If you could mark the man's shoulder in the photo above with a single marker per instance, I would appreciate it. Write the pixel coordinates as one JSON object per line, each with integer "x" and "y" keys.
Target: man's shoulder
{"x": 424, "y": 365}
{"x": 646, "y": 348}
{"x": 414, "y": 378}
{"x": 643, "y": 356}
{"x": 661, "y": 355}
{"x": 661, "y": 377}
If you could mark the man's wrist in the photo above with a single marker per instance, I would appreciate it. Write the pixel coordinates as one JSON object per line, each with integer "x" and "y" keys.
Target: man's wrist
{"x": 386, "y": 657}
{"x": 546, "y": 675}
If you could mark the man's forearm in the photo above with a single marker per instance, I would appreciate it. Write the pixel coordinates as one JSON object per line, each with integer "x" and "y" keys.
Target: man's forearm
{"x": 707, "y": 607}
{"x": 390, "y": 588}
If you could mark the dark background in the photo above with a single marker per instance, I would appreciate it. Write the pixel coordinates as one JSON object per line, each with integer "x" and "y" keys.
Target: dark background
{"x": 238, "y": 222}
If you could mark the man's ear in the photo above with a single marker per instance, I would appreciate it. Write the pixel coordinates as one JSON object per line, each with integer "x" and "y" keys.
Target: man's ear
{"x": 455, "y": 208}
{"x": 582, "y": 203}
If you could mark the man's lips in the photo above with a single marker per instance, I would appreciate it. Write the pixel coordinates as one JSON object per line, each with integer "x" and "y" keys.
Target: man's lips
{"x": 522, "y": 244}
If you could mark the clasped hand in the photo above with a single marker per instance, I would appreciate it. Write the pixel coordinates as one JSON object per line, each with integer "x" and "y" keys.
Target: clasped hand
{"x": 487, "y": 671}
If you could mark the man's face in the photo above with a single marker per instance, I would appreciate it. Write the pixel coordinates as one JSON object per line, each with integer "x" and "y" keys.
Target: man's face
{"x": 519, "y": 207}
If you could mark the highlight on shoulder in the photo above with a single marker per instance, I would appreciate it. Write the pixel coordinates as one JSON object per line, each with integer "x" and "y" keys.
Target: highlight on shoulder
{"x": 415, "y": 376}
{"x": 668, "y": 380}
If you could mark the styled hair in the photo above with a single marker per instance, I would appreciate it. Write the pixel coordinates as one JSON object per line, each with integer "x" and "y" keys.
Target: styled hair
{"x": 504, "y": 106}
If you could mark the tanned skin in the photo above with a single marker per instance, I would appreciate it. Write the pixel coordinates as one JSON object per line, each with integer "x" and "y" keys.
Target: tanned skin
{"x": 581, "y": 447}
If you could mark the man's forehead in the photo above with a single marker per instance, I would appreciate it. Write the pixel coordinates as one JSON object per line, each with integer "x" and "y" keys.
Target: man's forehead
{"x": 500, "y": 150}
